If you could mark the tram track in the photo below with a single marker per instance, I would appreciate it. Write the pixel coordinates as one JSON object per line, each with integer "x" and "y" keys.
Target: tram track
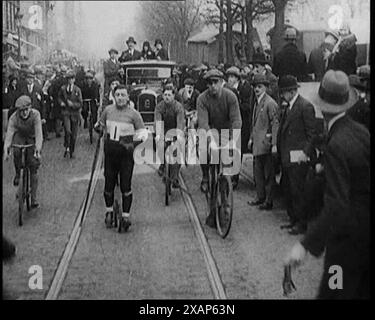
{"x": 216, "y": 284}
{"x": 62, "y": 268}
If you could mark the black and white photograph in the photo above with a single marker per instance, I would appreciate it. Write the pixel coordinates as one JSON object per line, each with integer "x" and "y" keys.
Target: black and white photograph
{"x": 192, "y": 150}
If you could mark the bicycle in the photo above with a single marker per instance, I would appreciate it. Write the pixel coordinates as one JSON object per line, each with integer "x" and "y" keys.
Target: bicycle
{"x": 167, "y": 172}
{"x": 24, "y": 188}
{"x": 189, "y": 136}
{"x": 220, "y": 195}
{"x": 90, "y": 118}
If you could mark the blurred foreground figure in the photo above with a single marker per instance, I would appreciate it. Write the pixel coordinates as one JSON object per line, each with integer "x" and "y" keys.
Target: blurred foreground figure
{"x": 343, "y": 227}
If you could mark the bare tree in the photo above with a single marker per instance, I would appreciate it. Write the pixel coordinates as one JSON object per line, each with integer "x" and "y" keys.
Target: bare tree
{"x": 221, "y": 31}
{"x": 173, "y": 22}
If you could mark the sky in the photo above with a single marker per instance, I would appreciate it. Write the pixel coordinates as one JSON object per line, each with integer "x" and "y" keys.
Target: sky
{"x": 106, "y": 20}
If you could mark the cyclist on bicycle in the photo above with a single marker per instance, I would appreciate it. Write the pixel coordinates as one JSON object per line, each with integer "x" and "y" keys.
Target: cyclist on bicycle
{"x": 25, "y": 127}
{"x": 122, "y": 126}
{"x": 172, "y": 114}
{"x": 90, "y": 90}
{"x": 218, "y": 109}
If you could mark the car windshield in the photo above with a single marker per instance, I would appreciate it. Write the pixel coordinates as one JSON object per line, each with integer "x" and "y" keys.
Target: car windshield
{"x": 150, "y": 76}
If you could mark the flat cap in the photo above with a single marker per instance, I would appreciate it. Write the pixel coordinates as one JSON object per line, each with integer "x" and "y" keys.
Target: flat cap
{"x": 234, "y": 71}
{"x": 260, "y": 79}
{"x": 112, "y": 50}
{"x": 213, "y": 74}
{"x": 189, "y": 81}
{"x": 70, "y": 74}
{"x": 23, "y": 101}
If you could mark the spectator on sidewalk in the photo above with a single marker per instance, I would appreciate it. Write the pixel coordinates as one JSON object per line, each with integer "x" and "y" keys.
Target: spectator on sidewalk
{"x": 342, "y": 230}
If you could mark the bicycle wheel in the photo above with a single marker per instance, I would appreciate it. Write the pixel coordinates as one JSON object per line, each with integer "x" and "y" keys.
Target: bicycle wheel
{"x": 224, "y": 210}
{"x": 28, "y": 190}
{"x": 91, "y": 127}
{"x": 213, "y": 189}
{"x": 167, "y": 183}
{"x": 21, "y": 197}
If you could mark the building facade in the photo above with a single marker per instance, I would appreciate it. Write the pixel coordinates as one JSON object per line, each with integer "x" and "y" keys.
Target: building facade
{"x": 34, "y": 29}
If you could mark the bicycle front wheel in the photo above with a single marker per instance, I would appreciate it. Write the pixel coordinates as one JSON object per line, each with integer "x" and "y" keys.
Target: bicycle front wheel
{"x": 91, "y": 127}
{"x": 27, "y": 189}
{"x": 224, "y": 210}
{"x": 167, "y": 183}
{"x": 21, "y": 197}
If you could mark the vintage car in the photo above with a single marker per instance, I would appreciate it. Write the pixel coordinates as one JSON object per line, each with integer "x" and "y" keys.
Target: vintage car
{"x": 145, "y": 79}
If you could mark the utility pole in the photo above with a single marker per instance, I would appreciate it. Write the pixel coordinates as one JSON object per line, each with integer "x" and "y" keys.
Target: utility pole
{"x": 18, "y": 18}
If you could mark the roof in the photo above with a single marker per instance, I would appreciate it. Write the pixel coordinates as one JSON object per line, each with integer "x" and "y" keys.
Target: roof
{"x": 154, "y": 63}
{"x": 209, "y": 33}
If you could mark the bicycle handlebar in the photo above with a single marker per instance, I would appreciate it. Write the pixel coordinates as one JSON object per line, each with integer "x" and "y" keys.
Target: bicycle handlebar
{"x": 22, "y": 146}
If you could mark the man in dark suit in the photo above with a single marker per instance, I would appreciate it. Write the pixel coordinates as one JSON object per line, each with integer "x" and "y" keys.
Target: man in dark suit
{"x": 343, "y": 227}
{"x": 70, "y": 100}
{"x": 111, "y": 68}
{"x": 131, "y": 54}
{"x": 160, "y": 52}
{"x": 90, "y": 91}
{"x": 290, "y": 60}
{"x": 295, "y": 146}
{"x": 361, "y": 112}
{"x": 259, "y": 62}
{"x": 234, "y": 76}
{"x": 265, "y": 124}
{"x": 32, "y": 89}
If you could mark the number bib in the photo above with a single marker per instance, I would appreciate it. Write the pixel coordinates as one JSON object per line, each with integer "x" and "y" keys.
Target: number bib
{"x": 117, "y": 129}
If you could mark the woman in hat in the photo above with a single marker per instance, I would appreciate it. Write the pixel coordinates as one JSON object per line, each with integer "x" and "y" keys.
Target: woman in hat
{"x": 12, "y": 93}
{"x": 160, "y": 52}
{"x": 147, "y": 53}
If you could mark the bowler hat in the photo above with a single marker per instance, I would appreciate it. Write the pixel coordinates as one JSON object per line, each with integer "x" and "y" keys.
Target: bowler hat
{"x": 213, "y": 74}
{"x": 131, "y": 39}
{"x": 260, "y": 79}
{"x": 158, "y": 41}
{"x": 259, "y": 58}
{"x": 112, "y": 50}
{"x": 290, "y": 33}
{"x": 23, "y": 101}
{"x": 234, "y": 71}
{"x": 335, "y": 95}
{"x": 288, "y": 82}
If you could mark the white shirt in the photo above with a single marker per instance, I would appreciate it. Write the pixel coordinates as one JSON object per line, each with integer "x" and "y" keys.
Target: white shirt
{"x": 260, "y": 97}
{"x": 334, "y": 119}
{"x": 291, "y": 103}
{"x": 30, "y": 87}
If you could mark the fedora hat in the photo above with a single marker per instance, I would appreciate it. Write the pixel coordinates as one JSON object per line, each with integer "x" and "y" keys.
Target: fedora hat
{"x": 112, "y": 50}
{"x": 288, "y": 82}
{"x": 131, "y": 39}
{"x": 234, "y": 71}
{"x": 335, "y": 95}
{"x": 260, "y": 79}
